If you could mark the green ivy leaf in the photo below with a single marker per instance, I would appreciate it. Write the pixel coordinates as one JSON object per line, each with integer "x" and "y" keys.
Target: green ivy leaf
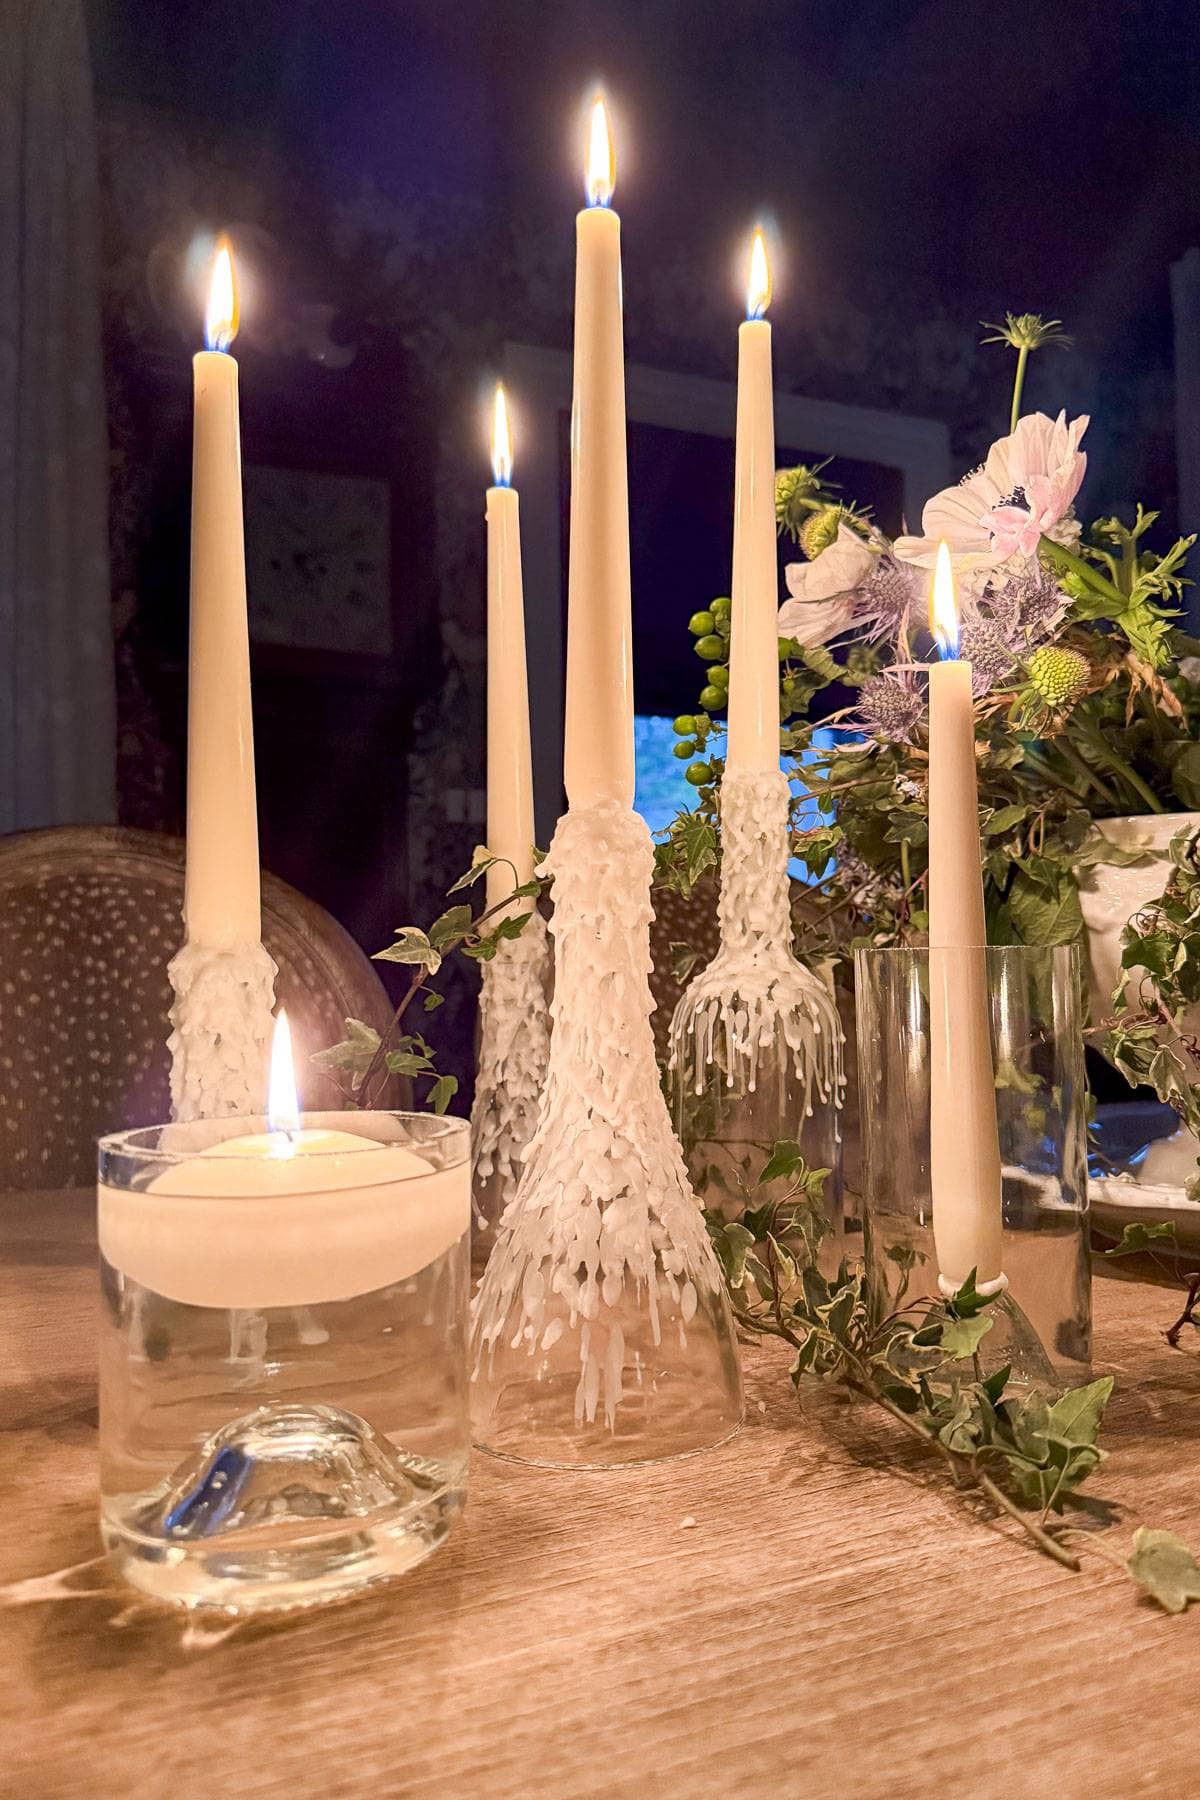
{"x": 962, "y": 1337}
{"x": 683, "y": 961}
{"x": 487, "y": 946}
{"x": 411, "y": 946}
{"x": 1075, "y": 1417}
{"x": 442, "y": 1092}
{"x": 1163, "y": 1565}
{"x": 1004, "y": 818}
{"x": 433, "y": 1000}
{"x": 1139, "y": 1237}
{"x": 785, "y": 1161}
{"x": 1045, "y": 915}
{"x": 481, "y": 862}
{"x": 353, "y": 1056}
{"x": 453, "y": 924}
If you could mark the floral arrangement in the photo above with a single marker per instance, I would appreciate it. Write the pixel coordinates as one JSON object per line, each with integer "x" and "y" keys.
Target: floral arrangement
{"x": 1086, "y": 692}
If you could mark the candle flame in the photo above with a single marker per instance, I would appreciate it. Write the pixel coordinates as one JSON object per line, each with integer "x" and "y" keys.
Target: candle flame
{"x": 758, "y": 291}
{"x": 502, "y": 460}
{"x": 943, "y": 606}
{"x": 221, "y": 314}
{"x": 283, "y": 1104}
{"x": 601, "y": 172}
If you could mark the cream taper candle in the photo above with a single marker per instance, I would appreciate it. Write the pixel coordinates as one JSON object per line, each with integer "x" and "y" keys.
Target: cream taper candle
{"x": 222, "y": 904}
{"x": 598, "y": 758}
{"x": 754, "y": 637}
{"x": 509, "y": 764}
{"x": 965, "y": 1178}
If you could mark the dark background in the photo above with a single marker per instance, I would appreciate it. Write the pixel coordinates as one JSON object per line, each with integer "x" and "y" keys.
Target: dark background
{"x": 413, "y": 169}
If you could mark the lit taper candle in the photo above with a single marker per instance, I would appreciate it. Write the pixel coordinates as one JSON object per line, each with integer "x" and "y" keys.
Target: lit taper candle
{"x": 965, "y": 1178}
{"x": 598, "y": 759}
{"x": 509, "y": 765}
{"x": 222, "y": 905}
{"x": 753, "y": 650}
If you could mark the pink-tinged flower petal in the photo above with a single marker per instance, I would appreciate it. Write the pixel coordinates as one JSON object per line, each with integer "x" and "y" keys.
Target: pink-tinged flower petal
{"x": 960, "y": 514}
{"x": 1015, "y": 532}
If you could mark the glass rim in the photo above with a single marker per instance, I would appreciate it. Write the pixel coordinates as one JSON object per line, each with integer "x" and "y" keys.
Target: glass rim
{"x": 137, "y": 1143}
{"x": 1019, "y": 952}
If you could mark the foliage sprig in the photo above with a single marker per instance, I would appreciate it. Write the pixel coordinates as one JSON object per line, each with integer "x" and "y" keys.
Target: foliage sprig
{"x": 365, "y": 1058}
{"x": 1024, "y": 1452}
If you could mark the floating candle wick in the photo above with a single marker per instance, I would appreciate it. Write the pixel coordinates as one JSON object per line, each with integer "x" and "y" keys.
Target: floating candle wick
{"x": 283, "y": 1102}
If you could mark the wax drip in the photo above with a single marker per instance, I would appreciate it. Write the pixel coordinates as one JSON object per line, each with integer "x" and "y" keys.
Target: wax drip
{"x": 222, "y": 1030}
{"x": 513, "y": 1051}
{"x": 754, "y": 987}
{"x": 604, "y": 1204}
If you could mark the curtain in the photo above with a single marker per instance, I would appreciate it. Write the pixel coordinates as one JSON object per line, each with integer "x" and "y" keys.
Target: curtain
{"x": 57, "y": 702}
{"x": 1185, "y": 305}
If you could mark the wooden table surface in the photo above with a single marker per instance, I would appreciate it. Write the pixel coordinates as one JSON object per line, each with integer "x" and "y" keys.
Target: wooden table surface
{"x": 831, "y": 1624}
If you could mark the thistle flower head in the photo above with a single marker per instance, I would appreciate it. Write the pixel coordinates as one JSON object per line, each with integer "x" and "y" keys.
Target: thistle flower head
{"x": 887, "y": 596}
{"x": 819, "y": 530}
{"x": 1027, "y": 331}
{"x": 798, "y": 492}
{"x": 983, "y": 644}
{"x": 891, "y": 706}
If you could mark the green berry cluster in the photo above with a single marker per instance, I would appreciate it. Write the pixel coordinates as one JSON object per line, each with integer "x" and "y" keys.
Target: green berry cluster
{"x": 710, "y": 629}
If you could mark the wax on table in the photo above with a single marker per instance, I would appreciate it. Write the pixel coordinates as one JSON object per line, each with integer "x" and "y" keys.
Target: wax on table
{"x": 222, "y": 904}
{"x": 965, "y": 1178}
{"x": 598, "y": 758}
{"x": 753, "y": 651}
{"x": 510, "y": 828}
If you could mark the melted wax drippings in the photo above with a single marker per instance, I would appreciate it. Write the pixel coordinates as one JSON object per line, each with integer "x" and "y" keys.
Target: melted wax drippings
{"x": 754, "y": 987}
{"x": 513, "y": 1051}
{"x": 222, "y": 1019}
{"x": 604, "y": 1204}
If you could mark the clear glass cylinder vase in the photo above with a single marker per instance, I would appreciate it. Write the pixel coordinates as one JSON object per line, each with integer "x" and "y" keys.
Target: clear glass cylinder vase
{"x": 732, "y": 1103}
{"x": 922, "y": 1141}
{"x": 283, "y": 1375}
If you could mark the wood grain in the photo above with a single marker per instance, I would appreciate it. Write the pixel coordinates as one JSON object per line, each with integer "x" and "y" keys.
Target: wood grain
{"x": 830, "y": 1626}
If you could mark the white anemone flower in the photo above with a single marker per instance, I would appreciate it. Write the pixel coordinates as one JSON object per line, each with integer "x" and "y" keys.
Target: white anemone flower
{"x": 822, "y": 591}
{"x": 1024, "y": 489}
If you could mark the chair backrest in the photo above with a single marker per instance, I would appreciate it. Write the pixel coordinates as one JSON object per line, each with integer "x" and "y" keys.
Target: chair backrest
{"x": 89, "y": 918}
{"x": 692, "y": 924}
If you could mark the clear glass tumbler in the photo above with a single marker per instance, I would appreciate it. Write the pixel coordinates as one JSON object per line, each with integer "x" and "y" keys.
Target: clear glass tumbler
{"x": 1033, "y": 1022}
{"x": 283, "y": 1378}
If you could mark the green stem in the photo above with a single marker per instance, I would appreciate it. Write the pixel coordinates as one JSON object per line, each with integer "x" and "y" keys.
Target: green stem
{"x": 1119, "y": 766}
{"x": 1072, "y": 755}
{"x": 1045, "y": 1543}
{"x": 1018, "y": 384}
{"x": 1062, "y": 558}
{"x": 1031, "y": 761}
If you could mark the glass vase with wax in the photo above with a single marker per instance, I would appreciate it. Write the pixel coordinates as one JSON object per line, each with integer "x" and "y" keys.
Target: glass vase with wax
{"x": 756, "y": 1042}
{"x": 283, "y": 1413}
